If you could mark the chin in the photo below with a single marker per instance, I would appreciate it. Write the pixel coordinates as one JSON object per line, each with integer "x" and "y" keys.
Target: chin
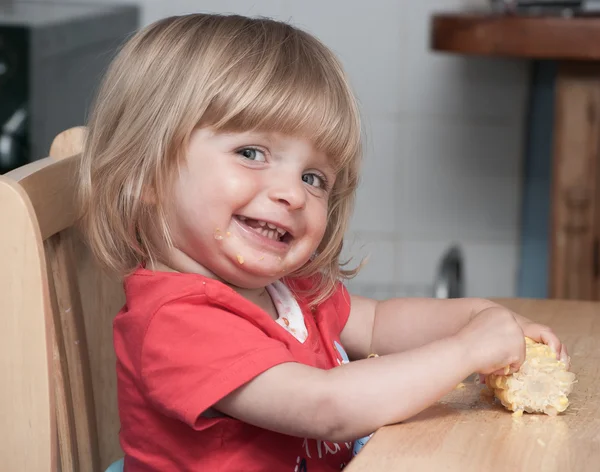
{"x": 254, "y": 278}
{"x": 252, "y": 282}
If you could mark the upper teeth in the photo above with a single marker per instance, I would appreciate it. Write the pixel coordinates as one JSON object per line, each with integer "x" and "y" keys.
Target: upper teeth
{"x": 264, "y": 223}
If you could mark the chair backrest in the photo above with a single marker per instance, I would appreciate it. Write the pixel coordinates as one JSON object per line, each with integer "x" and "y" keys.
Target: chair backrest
{"x": 58, "y": 406}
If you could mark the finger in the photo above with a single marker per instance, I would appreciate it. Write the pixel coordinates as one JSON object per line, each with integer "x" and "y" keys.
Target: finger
{"x": 515, "y": 367}
{"x": 517, "y": 363}
{"x": 564, "y": 357}
{"x": 509, "y": 369}
{"x": 548, "y": 337}
{"x": 503, "y": 371}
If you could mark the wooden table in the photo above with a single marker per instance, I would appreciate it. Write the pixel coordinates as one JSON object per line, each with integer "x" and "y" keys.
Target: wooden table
{"x": 465, "y": 432}
{"x": 575, "y": 43}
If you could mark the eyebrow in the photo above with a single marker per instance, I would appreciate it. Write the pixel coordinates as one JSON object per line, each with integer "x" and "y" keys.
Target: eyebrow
{"x": 248, "y": 134}
{"x": 327, "y": 167}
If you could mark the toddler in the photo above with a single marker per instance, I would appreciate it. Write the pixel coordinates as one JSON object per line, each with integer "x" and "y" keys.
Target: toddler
{"x": 218, "y": 178}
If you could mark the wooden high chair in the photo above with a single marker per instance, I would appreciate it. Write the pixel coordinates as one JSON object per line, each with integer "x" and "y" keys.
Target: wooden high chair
{"x": 58, "y": 405}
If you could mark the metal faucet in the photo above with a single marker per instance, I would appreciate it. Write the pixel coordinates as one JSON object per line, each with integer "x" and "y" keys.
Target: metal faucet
{"x": 449, "y": 281}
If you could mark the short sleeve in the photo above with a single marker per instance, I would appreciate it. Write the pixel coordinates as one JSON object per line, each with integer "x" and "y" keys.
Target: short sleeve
{"x": 193, "y": 355}
{"x": 341, "y": 303}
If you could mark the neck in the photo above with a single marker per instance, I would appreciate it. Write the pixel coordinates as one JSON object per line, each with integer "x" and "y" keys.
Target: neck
{"x": 183, "y": 264}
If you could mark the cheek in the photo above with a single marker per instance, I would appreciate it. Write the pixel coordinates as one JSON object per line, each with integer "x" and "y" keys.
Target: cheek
{"x": 319, "y": 221}
{"x": 236, "y": 184}
{"x": 229, "y": 182}
{"x": 212, "y": 185}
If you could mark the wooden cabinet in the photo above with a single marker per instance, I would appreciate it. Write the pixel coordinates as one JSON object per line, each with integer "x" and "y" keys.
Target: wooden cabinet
{"x": 575, "y": 220}
{"x": 575, "y": 230}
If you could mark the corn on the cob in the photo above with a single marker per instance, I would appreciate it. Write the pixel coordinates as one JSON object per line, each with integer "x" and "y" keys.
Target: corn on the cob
{"x": 541, "y": 385}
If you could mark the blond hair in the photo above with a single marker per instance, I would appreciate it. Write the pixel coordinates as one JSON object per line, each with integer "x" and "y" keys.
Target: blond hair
{"x": 231, "y": 73}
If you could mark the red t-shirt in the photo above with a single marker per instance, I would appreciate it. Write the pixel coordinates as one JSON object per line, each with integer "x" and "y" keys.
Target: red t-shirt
{"x": 183, "y": 342}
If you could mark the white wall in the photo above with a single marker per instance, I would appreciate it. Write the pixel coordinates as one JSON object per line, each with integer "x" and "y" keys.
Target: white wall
{"x": 444, "y": 137}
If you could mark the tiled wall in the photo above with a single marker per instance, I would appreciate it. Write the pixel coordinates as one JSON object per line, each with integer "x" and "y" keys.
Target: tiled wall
{"x": 444, "y": 138}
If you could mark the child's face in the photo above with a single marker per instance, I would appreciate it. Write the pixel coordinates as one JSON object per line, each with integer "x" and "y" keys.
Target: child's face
{"x": 248, "y": 208}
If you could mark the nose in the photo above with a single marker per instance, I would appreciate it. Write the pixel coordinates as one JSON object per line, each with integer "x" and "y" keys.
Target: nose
{"x": 289, "y": 192}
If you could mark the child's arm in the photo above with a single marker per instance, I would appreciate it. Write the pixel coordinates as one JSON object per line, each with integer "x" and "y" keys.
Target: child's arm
{"x": 400, "y": 324}
{"x": 357, "y": 398}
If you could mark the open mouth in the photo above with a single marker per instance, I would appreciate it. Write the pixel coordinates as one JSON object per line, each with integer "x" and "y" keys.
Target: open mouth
{"x": 266, "y": 229}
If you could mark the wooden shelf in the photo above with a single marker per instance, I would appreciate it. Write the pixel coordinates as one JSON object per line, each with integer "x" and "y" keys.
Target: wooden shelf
{"x": 531, "y": 37}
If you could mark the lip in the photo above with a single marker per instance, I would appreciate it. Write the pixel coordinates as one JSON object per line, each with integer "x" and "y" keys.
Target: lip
{"x": 279, "y": 246}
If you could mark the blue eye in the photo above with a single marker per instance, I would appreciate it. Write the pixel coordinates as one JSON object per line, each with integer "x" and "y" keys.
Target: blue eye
{"x": 252, "y": 154}
{"x": 315, "y": 180}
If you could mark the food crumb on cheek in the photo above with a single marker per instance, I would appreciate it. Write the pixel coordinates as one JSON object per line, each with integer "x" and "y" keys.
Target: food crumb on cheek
{"x": 217, "y": 234}
{"x": 261, "y": 258}
{"x": 240, "y": 258}
{"x": 228, "y": 234}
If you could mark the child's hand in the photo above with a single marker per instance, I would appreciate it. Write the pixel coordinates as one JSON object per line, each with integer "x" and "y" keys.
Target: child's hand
{"x": 544, "y": 334}
{"x": 494, "y": 340}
